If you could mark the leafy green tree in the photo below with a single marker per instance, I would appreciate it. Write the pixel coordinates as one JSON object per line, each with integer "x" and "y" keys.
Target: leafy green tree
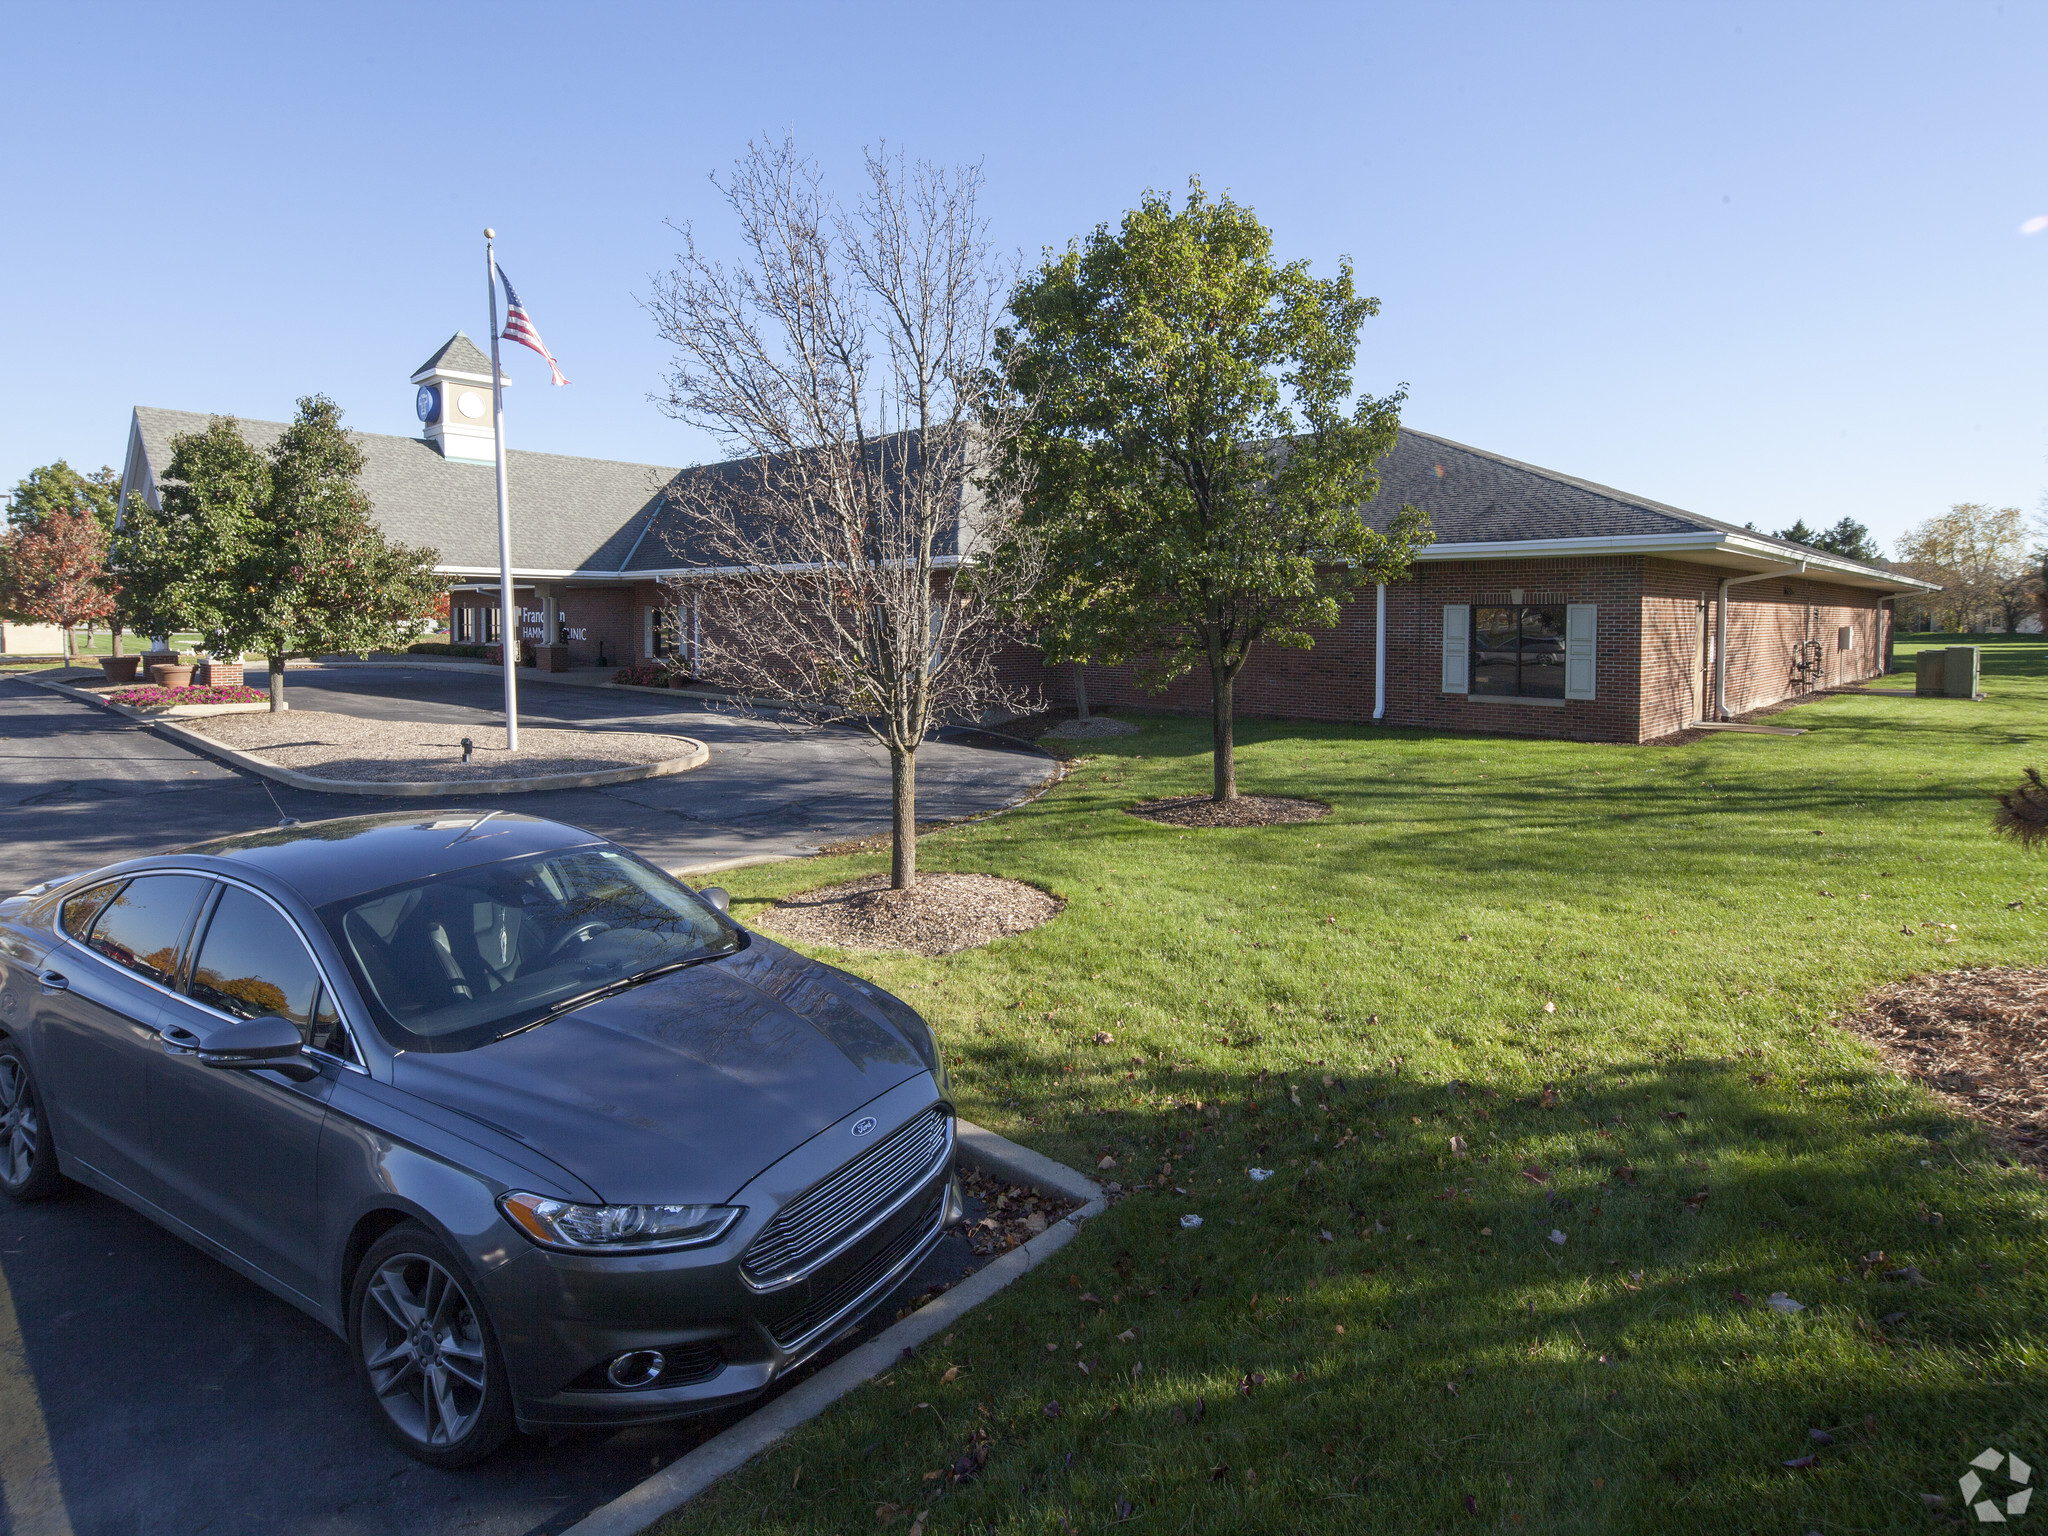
{"x": 274, "y": 553}
{"x": 58, "y": 486}
{"x": 1848, "y": 538}
{"x": 1193, "y": 482}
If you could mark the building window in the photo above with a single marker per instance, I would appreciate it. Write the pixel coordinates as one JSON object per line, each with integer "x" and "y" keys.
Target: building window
{"x": 1518, "y": 650}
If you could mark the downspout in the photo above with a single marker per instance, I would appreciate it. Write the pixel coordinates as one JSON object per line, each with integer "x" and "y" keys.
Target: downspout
{"x": 1721, "y": 630}
{"x": 1379, "y": 659}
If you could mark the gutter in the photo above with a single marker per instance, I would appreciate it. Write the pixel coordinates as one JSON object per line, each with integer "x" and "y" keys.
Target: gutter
{"x": 1379, "y": 659}
{"x": 1721, "y": 630}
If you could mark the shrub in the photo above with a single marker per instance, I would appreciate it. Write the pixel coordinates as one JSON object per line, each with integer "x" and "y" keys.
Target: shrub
{"x": 150, "y": 696}
{"x": 441, "y": 648}
{"x": 648, "y": 674}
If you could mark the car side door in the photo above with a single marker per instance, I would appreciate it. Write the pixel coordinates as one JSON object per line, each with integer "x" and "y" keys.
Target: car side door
{"x": 236, "y": 1150}
{"x": 99, "y": 997}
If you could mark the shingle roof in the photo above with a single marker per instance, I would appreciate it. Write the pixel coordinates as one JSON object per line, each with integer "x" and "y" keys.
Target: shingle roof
{"x": 568, "y": 514}
{"x": 458, "y": 354}
{"x": 1476, "y": 497}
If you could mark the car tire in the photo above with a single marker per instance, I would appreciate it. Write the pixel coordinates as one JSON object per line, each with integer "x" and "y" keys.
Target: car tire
{"x": 28, "y": 1155}
{"x": 425, "y": 1351}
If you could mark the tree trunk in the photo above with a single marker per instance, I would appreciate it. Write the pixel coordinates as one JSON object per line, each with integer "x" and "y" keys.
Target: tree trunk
{"x": 276, "y": 682}
{"x": 1225, "y": 740}
{"x": 115, "y": 632}
{"x": 903, "y": 804}
{"x": 1080, "y": 692}
{"x": 66, "y": 628}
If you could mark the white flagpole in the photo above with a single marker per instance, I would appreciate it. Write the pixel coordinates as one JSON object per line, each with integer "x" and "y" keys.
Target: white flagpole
{"x": 508, "y": 612}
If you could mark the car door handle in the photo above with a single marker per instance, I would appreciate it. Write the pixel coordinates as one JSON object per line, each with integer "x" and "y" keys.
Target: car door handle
{"x": 178, "y": 1040}
{"x": 52, "y": 981}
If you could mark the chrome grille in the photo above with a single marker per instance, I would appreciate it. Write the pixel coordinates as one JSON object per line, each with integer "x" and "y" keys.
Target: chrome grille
{"x": 794, "y": 1331}
{"x": 838, "y": 1208}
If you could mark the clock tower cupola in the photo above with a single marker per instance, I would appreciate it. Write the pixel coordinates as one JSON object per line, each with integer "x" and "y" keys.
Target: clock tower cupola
{"x": 454, "y": 401}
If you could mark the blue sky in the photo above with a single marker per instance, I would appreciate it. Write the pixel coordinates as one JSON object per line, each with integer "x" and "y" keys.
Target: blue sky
{"x": 1764, "y": 262}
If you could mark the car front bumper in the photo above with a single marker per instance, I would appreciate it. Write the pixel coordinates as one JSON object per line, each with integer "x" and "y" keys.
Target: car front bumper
{"x": 561, "y": 1317}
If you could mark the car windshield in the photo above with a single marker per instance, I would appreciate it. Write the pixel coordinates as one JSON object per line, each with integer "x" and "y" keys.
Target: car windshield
{"x": 469, "y": 957}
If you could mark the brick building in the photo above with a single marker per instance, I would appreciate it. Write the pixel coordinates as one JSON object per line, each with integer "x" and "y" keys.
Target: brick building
{"x": 1547, "y": 606}
{"x": 1551, "y": 606}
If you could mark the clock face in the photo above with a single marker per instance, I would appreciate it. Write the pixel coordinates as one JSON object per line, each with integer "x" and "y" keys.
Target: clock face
{"x": 470, "y": 403}
{"x": 428, "y": 404}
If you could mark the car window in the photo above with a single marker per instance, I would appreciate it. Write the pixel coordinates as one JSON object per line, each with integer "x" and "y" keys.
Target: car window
{"x": 78, "y": 911}
{"x": 329, "y": 1034}
{"x": 252, "y": 962}
{"x": 466, "y": 957}
{"x": 143, "y": 926}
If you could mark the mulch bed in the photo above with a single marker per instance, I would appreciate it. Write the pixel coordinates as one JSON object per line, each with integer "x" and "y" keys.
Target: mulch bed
{"x": 1977, "y": 1038}
{"x": 941, "y": 915}
{"x": 1244, "y": 811}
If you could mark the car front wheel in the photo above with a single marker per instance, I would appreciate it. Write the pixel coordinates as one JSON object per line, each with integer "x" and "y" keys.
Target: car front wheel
{"x": 425, "y": 1350}
{"x": 28, "y": 1158}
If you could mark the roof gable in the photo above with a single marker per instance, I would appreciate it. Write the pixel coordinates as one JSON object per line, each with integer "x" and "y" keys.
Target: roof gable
{"x": 458, "y": 354}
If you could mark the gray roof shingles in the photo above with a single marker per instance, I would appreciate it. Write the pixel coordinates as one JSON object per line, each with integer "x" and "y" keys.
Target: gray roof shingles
{"x": 458, "y": 354}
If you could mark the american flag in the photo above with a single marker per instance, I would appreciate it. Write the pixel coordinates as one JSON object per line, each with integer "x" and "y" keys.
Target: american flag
{"x": 519, "y": 328}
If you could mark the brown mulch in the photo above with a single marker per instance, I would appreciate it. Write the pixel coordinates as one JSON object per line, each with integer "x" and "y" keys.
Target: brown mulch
{"x": 1979, "y": 1039}
{"x": 941, "y": 915}
{"x": 1013, "y": 1215}
{"x": 1244, "y": 811}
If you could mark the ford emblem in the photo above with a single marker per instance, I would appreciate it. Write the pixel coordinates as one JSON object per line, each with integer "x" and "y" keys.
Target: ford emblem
{"x": 864, "y": 1126}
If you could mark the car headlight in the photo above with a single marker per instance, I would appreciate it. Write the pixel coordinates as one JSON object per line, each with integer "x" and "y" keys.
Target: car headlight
{"x": 616, "y": 1228}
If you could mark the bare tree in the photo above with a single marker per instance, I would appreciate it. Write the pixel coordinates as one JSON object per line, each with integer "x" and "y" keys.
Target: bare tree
{"x": 843, "y": 363}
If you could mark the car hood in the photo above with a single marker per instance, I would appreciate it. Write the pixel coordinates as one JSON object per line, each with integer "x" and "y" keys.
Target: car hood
{"x": 681, "y": 1090}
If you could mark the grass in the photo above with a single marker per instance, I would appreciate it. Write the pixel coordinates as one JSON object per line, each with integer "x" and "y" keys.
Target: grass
{"x": 1354, "y": 993}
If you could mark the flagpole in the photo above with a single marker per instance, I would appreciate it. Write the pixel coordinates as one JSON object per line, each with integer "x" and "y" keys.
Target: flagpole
{"x": 508, "y": 613}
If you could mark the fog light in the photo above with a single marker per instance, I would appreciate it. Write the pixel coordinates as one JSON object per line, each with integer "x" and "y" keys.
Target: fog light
{"x": 636, "y": 1368}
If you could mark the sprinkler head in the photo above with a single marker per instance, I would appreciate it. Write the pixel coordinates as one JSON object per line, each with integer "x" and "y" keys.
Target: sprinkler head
{"x": 468, "y": 747}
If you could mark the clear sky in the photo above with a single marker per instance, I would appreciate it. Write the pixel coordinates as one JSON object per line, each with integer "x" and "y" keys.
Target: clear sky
{"x": 1761, "y": 261}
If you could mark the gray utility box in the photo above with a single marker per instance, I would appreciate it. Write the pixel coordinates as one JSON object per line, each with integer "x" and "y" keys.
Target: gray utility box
{"x": 1952, "y": 672}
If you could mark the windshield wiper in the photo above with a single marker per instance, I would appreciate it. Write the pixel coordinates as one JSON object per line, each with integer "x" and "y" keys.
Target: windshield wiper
{"x": 609, "y": 989}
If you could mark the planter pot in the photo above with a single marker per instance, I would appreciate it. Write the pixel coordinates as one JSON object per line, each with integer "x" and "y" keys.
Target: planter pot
{"x": 120, "y": 669}
{"x": 171, "y": 676}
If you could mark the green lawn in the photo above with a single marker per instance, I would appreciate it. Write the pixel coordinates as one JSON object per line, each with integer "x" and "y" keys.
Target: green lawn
{"x": 1355, "y": 993}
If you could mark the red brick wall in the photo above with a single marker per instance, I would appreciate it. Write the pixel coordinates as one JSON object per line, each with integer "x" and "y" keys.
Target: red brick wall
{"x": 1766, "y": 619}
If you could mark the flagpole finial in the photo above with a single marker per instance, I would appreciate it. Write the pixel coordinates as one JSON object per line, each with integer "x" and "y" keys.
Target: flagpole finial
{"x": 490, "y": 234}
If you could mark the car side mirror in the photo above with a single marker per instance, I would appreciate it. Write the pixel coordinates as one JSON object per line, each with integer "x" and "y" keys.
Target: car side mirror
{"x": 718, "y": 896}
{"x": 271, "y": 1042}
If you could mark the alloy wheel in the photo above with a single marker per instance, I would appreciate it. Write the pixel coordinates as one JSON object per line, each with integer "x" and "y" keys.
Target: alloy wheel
{"x": 20, "y": 1124}
{"x": 423, "y": 1346}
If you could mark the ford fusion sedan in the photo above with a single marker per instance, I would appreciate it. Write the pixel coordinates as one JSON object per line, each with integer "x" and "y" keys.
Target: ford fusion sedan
{"x": 544, "y": 1134}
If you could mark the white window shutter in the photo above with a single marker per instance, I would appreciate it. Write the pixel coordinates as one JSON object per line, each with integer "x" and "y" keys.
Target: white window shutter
{"x": 1457, "y": 648}
{"x": 1581, "y": 629}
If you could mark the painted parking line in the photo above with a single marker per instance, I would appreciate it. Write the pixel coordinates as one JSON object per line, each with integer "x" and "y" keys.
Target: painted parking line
{"x": 28, "y": 1473}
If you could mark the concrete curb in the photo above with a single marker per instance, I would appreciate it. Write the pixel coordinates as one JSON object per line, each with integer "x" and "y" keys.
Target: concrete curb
{"x": 420, "y": 789}
{"x": 689, "y": 1475}
{"x": 696, "y": 757}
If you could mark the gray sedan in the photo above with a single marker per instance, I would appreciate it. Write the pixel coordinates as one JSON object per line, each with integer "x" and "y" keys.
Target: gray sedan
{"x": 549, "y": 1138}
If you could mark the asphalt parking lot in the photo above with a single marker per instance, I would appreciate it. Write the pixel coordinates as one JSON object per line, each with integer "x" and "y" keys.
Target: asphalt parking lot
{"x": 176, "y": 1397}
{"x": 81, "y": 786}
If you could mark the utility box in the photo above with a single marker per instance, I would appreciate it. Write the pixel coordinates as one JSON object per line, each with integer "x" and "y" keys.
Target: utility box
{"x": 1929, "y": 671}
{"x": 1959, "y": 673}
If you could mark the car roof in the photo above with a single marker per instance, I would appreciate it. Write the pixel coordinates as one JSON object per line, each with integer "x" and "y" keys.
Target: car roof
{"x": 328, "y": 860}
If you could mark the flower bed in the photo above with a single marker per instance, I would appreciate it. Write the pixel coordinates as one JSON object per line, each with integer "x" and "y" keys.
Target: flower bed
{"x": 151, "y": 696}
{"x": 649, "y": 674}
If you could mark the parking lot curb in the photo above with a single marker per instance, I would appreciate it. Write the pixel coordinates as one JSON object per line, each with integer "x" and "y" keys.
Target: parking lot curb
{"x": 695, "y": 755}
{"x": 689, "y": 1475}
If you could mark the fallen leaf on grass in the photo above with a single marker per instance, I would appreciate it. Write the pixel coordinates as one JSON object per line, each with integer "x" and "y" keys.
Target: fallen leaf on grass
{"x": 1051, "y": 1410}
{"x": 1457, "y": 1146}
{"x": 1535, "y": 1175}
{"x": 1820, "y": 1437}
{"x": 1218, "y": 1473}
{"x": 1471, "y": 1505}
{"x": 1091, "y": 1296}
{"x": 1550, "y": 1007}
{"x": 1778, "y": 1301}
{"x": 1104, "y": 1037}
{"x": 1741, "y": 1298}
{"x": 1106, "y": 1161}
{"x": 1123, "y": 1510}
{"x": 1549, "y": 1098}
{"x": 1695, "y": 1201}
{"x": 1892, "y": 1318}
{"x": 1249, "y": 1384}
{"x": 1802, "y": 1461}
{"x": 1557, "y": 1237}
{"x": 1910, "y": 1274}
{"x": 1127, "y": 1335}
{"x": 952, "y": 1374}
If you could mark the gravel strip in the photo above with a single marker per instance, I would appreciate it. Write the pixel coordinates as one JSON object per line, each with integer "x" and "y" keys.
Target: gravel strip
{"x": 1244, "y": 811}
{"x": 1979, "y": 1039}
{"x": 400, "y": 751}
{"x": 942, "y": 915}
